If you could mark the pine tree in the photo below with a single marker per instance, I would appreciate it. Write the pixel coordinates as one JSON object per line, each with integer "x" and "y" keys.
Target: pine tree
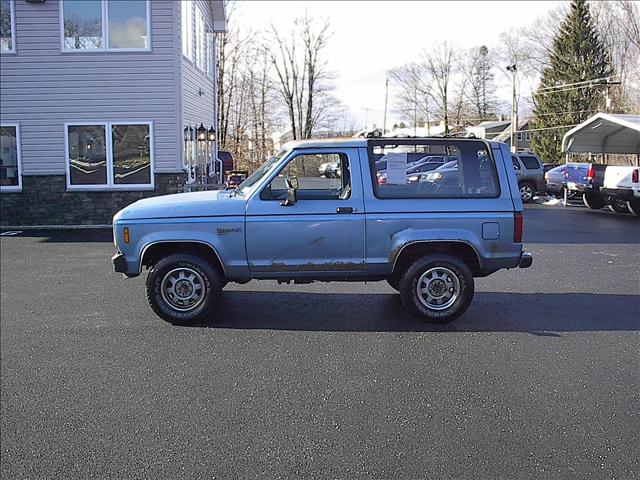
{"x": 578, "y": 55}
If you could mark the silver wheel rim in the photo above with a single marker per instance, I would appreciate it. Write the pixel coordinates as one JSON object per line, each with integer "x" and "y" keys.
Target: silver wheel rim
{"x": 183, "y": 289}
{"x": 438, "y": 288}
{"x": 525, "y": 192}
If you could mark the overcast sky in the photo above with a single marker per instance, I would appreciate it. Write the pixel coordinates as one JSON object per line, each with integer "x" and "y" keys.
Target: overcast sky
{"x": 371, "y": 37}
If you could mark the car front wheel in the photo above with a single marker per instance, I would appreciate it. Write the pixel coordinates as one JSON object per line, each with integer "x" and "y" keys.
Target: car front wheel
{"x": 437, "y": 288}
{"x": 593, "y": 201}
{"x": 183, "y": 289}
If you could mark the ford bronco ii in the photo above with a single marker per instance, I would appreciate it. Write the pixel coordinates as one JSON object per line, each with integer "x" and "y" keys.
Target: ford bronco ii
{"x": 289, "y": 222}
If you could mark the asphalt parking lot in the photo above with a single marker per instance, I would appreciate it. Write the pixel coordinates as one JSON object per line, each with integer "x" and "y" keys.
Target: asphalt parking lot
{"x": 540, "y": 379}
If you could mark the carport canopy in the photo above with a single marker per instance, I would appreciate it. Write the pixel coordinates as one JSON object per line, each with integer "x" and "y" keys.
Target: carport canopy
{"x": 604, "y": 133}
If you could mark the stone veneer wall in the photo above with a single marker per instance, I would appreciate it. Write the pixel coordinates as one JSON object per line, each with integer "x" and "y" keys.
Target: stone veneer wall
{"x": 44, "y": 200}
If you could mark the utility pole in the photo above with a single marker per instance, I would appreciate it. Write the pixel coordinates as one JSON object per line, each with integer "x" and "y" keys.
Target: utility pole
{"x": 514, "y": 110}
{"x": 366, "y": 115}
{"x": 386, "y": 98}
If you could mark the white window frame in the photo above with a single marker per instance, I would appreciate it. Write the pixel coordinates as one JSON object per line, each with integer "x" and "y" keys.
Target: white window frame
{"x": 190, "y": 30}
{"x": 14, "y": 188}
{"x": 110, "y": 185}
{"x": 105, "y": 32}
{"x": 14, "y": 50}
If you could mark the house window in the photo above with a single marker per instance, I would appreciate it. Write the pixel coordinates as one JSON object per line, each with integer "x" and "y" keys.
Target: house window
{"x": 200, "y": 41}
{"x": 109, "y": 155}
{"x": 10, "y": 161}
{"x": 527, "y": 136}
{"x": 7, "y": 27}
{"x": 209, "y": 53}
{"x": 187, "y": 28}
{"x": 105, "y": 25}
{"x": 519, "y": 136}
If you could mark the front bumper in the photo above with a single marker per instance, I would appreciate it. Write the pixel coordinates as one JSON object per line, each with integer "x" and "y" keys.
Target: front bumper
{"x": 119, "y": 263}
{"x": 525, "y": 260}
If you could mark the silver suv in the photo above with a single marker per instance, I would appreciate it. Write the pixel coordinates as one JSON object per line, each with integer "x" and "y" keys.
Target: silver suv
{"x": 530, "y": 175}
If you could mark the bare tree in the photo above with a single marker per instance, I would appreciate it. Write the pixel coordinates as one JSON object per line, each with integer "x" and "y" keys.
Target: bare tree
{"x": 440, "y": 65}
{"x": 413, "y": 100}
{"x": 303, "y": 81}
{"x": 479, "y": 69}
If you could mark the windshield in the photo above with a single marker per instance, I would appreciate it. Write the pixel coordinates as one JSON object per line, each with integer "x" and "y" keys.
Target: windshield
{"x": 261, "y": 172}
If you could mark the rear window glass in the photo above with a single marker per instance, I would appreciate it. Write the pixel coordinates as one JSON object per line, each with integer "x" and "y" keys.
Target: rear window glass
{"x": 433, "y": 168}
{"x": 530, "y": 163}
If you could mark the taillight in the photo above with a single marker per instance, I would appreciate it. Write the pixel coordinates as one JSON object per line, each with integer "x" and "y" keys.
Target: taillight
{"x": 635, "y": 175}
{"x": 518, "y": 221}
{"x": 591, "y": 173}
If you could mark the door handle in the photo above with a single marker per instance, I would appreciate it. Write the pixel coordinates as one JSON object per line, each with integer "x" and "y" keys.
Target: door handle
{"x": 344, "y": 210}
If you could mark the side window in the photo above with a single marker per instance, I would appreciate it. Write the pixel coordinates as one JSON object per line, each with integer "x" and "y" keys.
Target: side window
{"x": 7, "y": 27}
{"x": 10, "y": 178}
{"x": 516, "y": 163}
{"x": 469, "y": 171}
{"x": 320, "y": 177}
{"x": 530, "y": 163}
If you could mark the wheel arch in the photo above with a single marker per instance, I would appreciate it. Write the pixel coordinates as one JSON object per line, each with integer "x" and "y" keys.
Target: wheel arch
{"x": 155, "y": 250}
{"x": 419, "y": 248}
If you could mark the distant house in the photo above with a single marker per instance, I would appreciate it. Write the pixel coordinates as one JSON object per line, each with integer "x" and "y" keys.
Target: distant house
{"x": 101, "y": 102}
{"x": 489, "y": 130}
{"x": 522, "y": 140}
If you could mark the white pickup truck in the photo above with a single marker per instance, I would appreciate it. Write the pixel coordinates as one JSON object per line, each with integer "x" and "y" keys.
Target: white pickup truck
{"x": 621, "y": 189}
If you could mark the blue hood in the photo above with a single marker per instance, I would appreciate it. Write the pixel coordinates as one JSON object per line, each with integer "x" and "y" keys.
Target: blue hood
{"x": 193, "y": 204}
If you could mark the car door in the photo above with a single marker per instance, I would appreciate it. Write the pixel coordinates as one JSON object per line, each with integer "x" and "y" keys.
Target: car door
{"x": 323, "y": 231}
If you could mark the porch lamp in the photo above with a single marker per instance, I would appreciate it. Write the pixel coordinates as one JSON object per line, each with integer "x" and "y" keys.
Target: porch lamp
{"x": 212, "y": 134}
{"x": 202, "y": 133}
{"x": 188, "y": 134}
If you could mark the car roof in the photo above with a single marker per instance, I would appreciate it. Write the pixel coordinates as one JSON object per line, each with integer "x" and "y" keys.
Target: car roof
{"x": 363, "y": 142}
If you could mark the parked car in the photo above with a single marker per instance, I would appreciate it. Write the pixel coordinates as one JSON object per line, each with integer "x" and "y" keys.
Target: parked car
{"x": 621, "y": 189}
{"x": 554, "y": 180}
{"x": 329, "y": 170}
{"x": 586, "y": 179}
{"x": 530, "y": 175}
{"x": 235, "y": 178}
{"x": 427, "y": 243}
{"x": 414, "y": 168}
{"x": 550, "y": 166}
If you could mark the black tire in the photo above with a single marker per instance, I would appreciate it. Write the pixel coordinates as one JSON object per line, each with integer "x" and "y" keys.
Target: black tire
{"x": 437, "y": 263}
{"x": 619, "y": 206}
{"x": 394, "y": 282}
{"x": 204, "y": 274}
{"x": 527, "y": 192}
{"x": 634, "y": 206}
{"x": 593, "y": 201}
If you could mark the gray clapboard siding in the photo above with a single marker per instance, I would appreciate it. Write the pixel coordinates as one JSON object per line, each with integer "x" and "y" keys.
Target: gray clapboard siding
{"x": 42, "y": 88}
{"x": 196, "y": 108}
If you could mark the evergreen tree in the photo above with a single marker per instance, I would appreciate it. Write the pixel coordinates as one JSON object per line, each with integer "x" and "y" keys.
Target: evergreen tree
{"x": 578, "y": 55}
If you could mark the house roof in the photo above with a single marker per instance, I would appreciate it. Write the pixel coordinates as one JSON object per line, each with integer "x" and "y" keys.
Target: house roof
{"x": 493, "y": 124}
{"x": 604, "y": 133}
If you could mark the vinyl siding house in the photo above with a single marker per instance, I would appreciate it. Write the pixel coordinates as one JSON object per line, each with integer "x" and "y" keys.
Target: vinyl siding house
{"x": 100, "y": 102}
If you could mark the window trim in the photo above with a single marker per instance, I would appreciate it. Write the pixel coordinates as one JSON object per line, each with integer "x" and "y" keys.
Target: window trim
{"x": 105, "y": 32}
{"x": 416, "y": 141}
{"x": 208, "y": 50}
{"x": 15, "y": 188}
{"x": 110, "y": 185}
{"x": 191, "y": 28}
{"x": 14, "y": 50}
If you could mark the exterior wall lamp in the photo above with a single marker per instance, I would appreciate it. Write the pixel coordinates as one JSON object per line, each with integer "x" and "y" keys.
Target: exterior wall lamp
{"x": 202, "y": 133}
{"x": 212, "y": 134}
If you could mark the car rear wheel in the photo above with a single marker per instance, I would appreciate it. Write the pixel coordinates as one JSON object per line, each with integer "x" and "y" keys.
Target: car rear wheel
{"x": 619, "y": 206}
{"x": 437, "y": 288}
{"x": 634, "y": 206}
{"x": 526, "y": 192}
{"x": 593, "y": 201}
{"x": 183, "y": 289}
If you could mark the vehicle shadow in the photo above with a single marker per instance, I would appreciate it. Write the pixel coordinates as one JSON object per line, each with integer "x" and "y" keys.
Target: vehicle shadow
{"x": 546, "y": 314}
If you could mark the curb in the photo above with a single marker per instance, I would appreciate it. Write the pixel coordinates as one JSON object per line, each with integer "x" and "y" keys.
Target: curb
{"x": 55, "y": 227}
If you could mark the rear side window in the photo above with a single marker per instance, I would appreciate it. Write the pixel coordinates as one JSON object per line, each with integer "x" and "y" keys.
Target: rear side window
{"x": 530, "y": 163}
{"x": 433, "y": 168}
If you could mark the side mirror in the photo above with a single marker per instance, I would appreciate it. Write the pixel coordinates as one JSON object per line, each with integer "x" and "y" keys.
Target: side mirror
{"x": 292, "y": 198}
